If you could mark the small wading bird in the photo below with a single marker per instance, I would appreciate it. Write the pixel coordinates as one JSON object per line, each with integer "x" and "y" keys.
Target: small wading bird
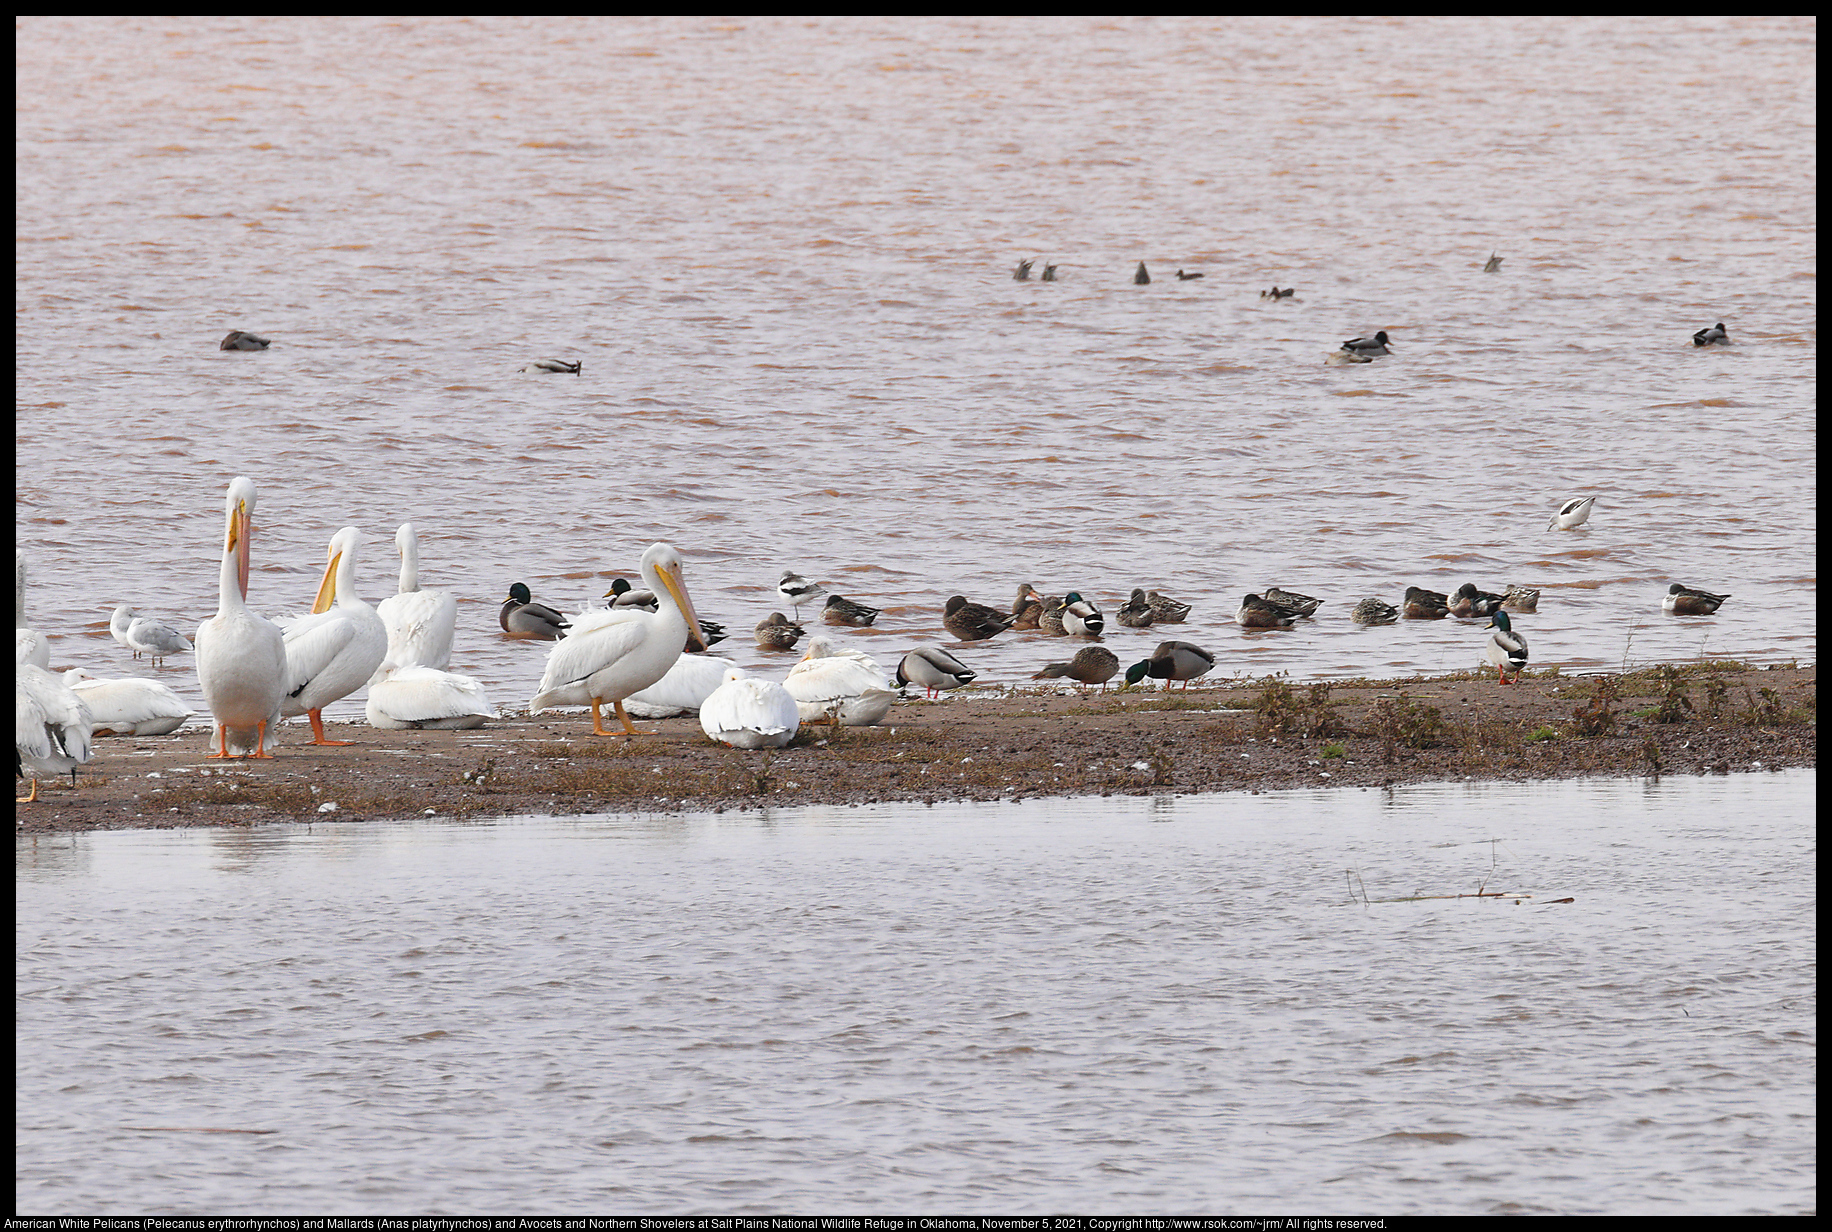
{"x": 798, "y": 590}
{"x": 1574, "y": 512}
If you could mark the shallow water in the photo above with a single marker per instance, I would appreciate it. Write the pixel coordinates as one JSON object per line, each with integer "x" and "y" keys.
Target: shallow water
{"x": 1118, "y": 1005}
{"x": 783, "y": 248}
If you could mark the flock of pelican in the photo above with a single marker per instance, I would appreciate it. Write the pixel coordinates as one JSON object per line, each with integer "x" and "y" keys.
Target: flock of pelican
{"x": 632, "y": 655}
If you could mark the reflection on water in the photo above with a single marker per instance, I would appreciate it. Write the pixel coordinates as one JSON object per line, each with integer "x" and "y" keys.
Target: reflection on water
{"x": 1094, "y": 1005}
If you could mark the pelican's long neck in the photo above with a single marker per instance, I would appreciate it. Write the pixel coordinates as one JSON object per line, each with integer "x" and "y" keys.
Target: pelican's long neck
{"x": 232, "y": 588}
{"x": 409, "y": 543}
{"x": 674, "y": 603}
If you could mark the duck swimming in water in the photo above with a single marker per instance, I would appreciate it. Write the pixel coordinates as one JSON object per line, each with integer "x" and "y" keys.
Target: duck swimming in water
{"x": 1368, "y": 346}
{"x": 1257, "y": 613}
{"x": 1468, "y": 601}
{"x": 240, "y": 340}
{"x": 1685, "y": 601}
{"x": 521, "y": 616}
{"x": 553, "y": 365}
{"x": 1715, "y": 336}
{"x": 1422, "y": 604}
{"x": 1374, "y": 612}
{"x": 974, "y": 622}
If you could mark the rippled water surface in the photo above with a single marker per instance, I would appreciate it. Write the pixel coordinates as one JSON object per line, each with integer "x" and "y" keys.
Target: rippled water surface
{"x": 1162, "y": 1006}
{"x": 782, "y": 250}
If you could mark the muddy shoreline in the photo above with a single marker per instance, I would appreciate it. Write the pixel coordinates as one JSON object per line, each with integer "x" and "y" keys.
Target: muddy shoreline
{"x": 981, "y": 745}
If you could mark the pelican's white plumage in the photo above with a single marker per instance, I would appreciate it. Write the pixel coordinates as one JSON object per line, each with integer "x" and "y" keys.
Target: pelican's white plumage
{"x": 748, "y": 712}
{"x": 415, "y": 696}
{"x": 332, "y": 652}
{"x": 688, "y": 683}
{"x": 152, "y": 638}
{"x": 53, "y": 728}
{"x": 611, "y": 653}
{"x": 840, "y": 686}
{"x": 128, "y": 705}
{"x": 241, "y": 657}
{"x": 420, "y": 623}
{"x": 32, "y": 647}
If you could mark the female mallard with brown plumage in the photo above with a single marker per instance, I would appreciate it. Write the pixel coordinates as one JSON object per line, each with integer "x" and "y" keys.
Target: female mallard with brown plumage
{"x": 1521, "y": 598}
{"x": 1292, "y": 601}
{"x": 1027, "y": 607}
{"x": 1091, "y": 665}
{"x": 1166, "y": 610}
{"x": 777, "y": 632}
{"x": 1136, "y": 612}
{"x": 1049, "y": 620}
{"x": 1374, "y": 612}
{"x": 974, "y": 622}
{"x": 843, "y": 611}
{"x": 1422, "y": 604}
{"x": 1258, "y": 613}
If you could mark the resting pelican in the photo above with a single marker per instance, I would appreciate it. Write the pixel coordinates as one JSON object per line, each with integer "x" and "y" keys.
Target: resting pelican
{"x": 419, "y": 622}
{"x": 681, "y": 690}
{"x": 749, "y": 713}
{"x": 616, "y": 651}
{"x": 333, "y": 651}
{"x": 417, "y": 696}
{"x": 53, "y": 726}
{"x": 128, "y": 706}
{"x": 843, "y": 687}
{"x": 33, "y": 648}
{"x": 241, "y": 657}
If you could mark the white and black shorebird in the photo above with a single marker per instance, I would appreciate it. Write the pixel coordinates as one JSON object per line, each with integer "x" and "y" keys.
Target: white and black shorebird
{"x": 1574, "y": 512}
{"x": 798, "y": 590}
{"x": 1375, "y": 344}
{"x": 553, "y": 365}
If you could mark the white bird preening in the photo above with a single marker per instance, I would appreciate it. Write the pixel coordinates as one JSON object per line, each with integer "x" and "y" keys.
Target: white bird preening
{"x": 241, "y": 657}
{"x": 425, "y": 697}
{"x": 32, "y": 646}
{"x": 691, "y": 680}
{"x": 840, "y": 686}
{"x": 332, "y": 652}
{"x": 1574, "y": 512}
{"x": 128, "y": 705}
{"x": 53, "y": 726}
{"x": 420, "y": 623}
{"x": 613, "y": 652}
{"x": 748, "y": 712}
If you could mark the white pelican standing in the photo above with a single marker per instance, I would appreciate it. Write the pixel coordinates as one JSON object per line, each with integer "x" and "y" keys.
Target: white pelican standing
{"x": 414, "y": 696}
{"x": 129, "y": 705}
{"x": 53, "y": 726}
{"x": 241, "y": 657}
{"x": 420, "y": 623}
{"x": 747, "y": 712}
{"x": 613, "y": 652}
{"x": 840, "y": 686}
{"x": 32, "y": 646}
{"x": 332, "y": 652}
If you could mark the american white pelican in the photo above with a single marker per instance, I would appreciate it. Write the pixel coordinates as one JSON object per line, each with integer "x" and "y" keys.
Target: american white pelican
{"x": 1506, "y": 648}
{"x": 614, "y": 652}
{"x": 1172, "y": 661}
{"x": 332, "y": 652}
{"x": 552, "y": 365}
{"x": 839, "y": 686}
{"x": 420, "y": 623}
{"x": 152, "y": 638}
{"x": 688, "y": 683}
{"x": 241, "y": 657}
{"x": 415, "y": 696}
{"x": 798, "y": 590}
{"x": 53, "y": 727}
{"x": 1574, "y": 512}
{"x": 747, "y": 712}
{"x": 934, "y": 669}
{"x": 1090, "y": 665}
{"x": 128, "y": 706}
{"x": 241, "y": 340}
{"x": 1685, "y": 601}
{"x": 33, "y": 647}
{"x": 521, "y": 616}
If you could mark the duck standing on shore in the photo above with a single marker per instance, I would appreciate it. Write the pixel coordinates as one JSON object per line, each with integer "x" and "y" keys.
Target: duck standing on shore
{"x": 1172, "y": 661}
{"x": 1506, "y": 648}
{"x": 1090, "y": 665}
{"x": 934, "y": 669}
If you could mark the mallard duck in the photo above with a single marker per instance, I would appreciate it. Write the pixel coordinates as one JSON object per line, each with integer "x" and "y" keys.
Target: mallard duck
{"x": 130, "y": 706}
{"x": 1574, "y": 512}
{"x": 798, "y": 590}
{"x": 1022, "y": 273}
{"x": 1506, "y": 648}
{"x": 1493, "y": 265}
{"x": 1376, "y": 344}
{"x": 1521, "y": 598}
{"x": 1715, "y": 336}
{"x": 934, "y": 669}
{"x": 1140, "y": 277}
{"x": 1049, "y": 273}
{"x": 241, "y": 340}
{"x": 1279, "y": 293}
{"x": 1027, "y": 607}
{"x": 1136, "y": 612}
{"x": 1422, "y": 604}
{"x": 521, "y": 616}
{"x": 1183, "y": 277}
{"x": 553, "y": 365}
{"x": 1080, "y": 617}
{"x": 1336, "y": 359}
{"x": 1468, "y": 601}
{"x": 622, "y": 594}
{"x": 53, "y": 731}
{"x": 1090, "y": 665}
{"x": 1374, "y": 612}
{"x": 841, "y": 686}
{"x": 1684, "y": 601}
{"x": 843, "y": 611}
{"x": 1166, "y": 610}
{"x": 1049, "y": 620}
{"x": 747, "y": 712}
{"x": 973, "y": 622}
{"x": 1172, "y": 661}
{"x": 1297, "y": 604}
{"x": 777, "y": 632}
{"x": 1258, "y": 613}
